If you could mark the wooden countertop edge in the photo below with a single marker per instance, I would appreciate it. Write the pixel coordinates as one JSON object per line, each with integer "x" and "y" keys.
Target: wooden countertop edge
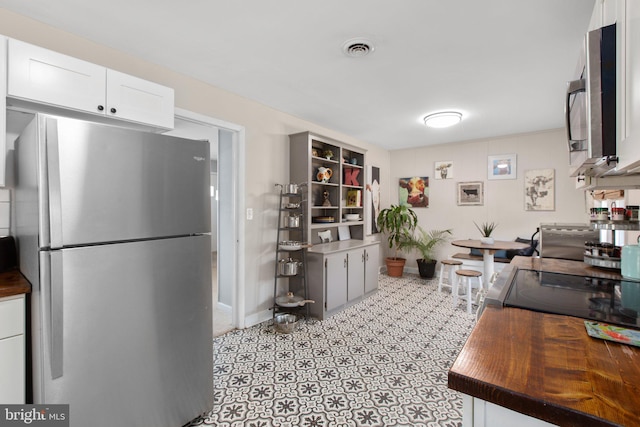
{"x": 13, "y": 283}
{"x": 524, "y": 404}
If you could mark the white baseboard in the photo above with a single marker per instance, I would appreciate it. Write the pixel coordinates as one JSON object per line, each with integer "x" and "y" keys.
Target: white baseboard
{"x": 258, "y": 318}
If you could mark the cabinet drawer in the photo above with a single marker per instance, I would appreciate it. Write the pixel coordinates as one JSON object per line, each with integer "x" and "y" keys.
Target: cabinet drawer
{"x": 11, "y": 316}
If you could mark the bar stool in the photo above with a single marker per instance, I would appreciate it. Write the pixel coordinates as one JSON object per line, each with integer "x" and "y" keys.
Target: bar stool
{"x": 465, "y": 277}
{"x": 450, "y": 265}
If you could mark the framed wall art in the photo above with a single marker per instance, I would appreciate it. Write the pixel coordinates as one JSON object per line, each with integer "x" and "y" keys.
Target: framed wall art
{"x": 372, "y": 198}
{"x": 502, "y": 167}
{"x": 443, "y": 170}
{"x": 539, "y": 190}
{"x": 470, "y": 193}
{"x": 414, "y": 191}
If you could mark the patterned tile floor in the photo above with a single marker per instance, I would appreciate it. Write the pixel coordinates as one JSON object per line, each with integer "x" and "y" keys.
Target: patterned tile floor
{"x": 381, "y": 362}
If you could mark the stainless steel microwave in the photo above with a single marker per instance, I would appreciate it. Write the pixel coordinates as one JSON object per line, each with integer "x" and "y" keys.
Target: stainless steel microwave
{"x": 590, "y": 110}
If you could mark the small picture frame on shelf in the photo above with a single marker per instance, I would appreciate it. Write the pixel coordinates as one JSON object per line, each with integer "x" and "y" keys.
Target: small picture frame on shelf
{"x": 344, "y": 233}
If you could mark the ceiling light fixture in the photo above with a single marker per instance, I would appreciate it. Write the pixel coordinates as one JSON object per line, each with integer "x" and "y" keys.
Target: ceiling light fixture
{"x": 443, "y": 119}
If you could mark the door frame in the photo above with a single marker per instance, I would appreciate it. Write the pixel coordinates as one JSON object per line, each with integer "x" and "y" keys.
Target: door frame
{"x": 237, "y": 181}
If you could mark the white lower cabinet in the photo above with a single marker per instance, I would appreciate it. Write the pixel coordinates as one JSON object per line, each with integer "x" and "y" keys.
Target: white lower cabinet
{"x": 12, "y": 350}
{"x": 480, "y": 413}
{"x": 40, "y": 75}
{"x": 340, "y": 274}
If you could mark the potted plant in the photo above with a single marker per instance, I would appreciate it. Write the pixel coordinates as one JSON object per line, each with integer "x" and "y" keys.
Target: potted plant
{"x": 398, "y": 222}
{"x": 486, "y": 228}
{"x": 426, "y": 242}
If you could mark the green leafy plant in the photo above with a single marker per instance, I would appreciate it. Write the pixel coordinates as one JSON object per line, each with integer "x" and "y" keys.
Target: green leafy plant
{"x": 399, "y": 222}
{"x": 426, "y": 242}
{"x": 486, "y": 228}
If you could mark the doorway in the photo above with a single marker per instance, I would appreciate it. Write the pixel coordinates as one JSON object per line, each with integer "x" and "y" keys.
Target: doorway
{"x": 227, "y": 166}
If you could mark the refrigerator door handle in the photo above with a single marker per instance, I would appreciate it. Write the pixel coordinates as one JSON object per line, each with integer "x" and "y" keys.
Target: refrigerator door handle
{"x": 56, "y": 313}
{"x": 53, "y": 175}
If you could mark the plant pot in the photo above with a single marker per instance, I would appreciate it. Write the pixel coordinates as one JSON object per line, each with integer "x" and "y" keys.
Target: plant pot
{"x": 487, "y": 240}
{"x": 395, "y": 266}
{"x": 427, "y": 268}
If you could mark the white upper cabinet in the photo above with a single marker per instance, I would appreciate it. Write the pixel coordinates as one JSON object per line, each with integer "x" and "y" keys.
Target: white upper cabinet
{"x": 49, "y": 77}
{"x": 3, "y": 106}
{"x": 629, "y": 140}
{"x": 43, "y": 76}
{"x": 139, "y": 100}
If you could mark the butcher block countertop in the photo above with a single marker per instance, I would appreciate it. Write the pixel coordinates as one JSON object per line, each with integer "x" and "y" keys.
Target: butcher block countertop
{"x": 13, "y": 283}
{"x": 546, "y": 366}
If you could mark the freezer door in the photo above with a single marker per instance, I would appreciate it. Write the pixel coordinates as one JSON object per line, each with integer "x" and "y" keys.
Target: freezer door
{"x": 124, "y": 333}
{"x": 108, "y": 184}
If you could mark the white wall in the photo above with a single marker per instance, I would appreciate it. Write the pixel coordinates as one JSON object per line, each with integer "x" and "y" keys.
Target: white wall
{"x": 267, "y": 143}
{"x": 503, "y": 199}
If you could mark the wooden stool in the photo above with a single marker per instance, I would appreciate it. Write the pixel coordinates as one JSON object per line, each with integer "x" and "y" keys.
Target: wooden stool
{"x": 450, "y": 265}
{"x": 465, "y": 278}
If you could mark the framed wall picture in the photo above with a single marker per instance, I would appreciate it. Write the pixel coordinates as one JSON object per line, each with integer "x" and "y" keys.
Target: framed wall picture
{"x": 414, "y": 191}
{"x": 539, "y": 190}
{"x": 470, "y": 193}
{"x": 443, "y": 170}
{"x": 372, "y": 198}
{"x": 502, "y": 167}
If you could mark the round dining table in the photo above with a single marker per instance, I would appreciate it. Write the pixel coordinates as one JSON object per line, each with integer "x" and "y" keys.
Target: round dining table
{"x": 488, "y": 249}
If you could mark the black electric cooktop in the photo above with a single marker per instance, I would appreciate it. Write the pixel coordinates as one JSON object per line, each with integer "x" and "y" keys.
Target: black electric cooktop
{"x": 605, "y": 300}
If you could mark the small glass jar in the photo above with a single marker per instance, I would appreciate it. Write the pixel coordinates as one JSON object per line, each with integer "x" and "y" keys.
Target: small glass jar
{"x": 606, "y": 249}
{"x": 588, "y": 247}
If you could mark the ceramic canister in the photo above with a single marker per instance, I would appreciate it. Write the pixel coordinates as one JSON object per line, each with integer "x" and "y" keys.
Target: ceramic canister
{"x": 630, "y": 261}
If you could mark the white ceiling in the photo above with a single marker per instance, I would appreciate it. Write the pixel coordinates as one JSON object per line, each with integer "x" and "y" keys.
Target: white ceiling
{"x": 503, "y": 63}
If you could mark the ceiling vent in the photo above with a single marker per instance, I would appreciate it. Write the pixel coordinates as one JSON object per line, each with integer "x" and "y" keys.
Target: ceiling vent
{"x": 357, "y": 48}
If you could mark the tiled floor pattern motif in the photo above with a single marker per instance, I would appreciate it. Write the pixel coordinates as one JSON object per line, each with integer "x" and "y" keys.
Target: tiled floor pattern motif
{"x": 381, "y": 362}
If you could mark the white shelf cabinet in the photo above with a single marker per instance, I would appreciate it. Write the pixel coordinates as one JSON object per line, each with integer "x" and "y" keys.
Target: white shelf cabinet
{"x": 340, "y": 272}
{"x": 40, "y": 75}
{"x": 306, "y": 157}
{"x": 12, "y": 350}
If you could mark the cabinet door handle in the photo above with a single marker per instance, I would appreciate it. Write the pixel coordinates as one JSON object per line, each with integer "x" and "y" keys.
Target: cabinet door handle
{"x": 100, "y": 107}
{"x": 367, "y": 258}
{"x": 113, "y": 110}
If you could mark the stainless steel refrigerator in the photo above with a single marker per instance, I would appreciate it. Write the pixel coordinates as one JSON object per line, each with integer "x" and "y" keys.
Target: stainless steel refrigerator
{"x": 113, "y": 229}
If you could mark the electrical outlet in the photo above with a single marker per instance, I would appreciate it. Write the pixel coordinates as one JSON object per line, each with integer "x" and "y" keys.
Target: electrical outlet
{"x": 249, "y": 214}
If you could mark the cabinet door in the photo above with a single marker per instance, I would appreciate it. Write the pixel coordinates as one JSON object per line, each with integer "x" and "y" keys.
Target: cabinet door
{"x": 371, "y": 254}
{"x": 49, "y": 77}
{"x": 12, "y": 316}
{"x": 355, "y": 273}
{"x": 12, "y": 370}
{"x": 3, "y": 104}
{"x": 629, "y": 143}
{"x": 139, "y": 100}
{"x": 335, "y": 280}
